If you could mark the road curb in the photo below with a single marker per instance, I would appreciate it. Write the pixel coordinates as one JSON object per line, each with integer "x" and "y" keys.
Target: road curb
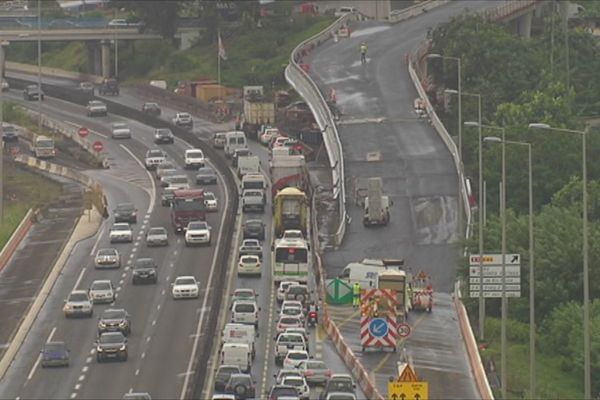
{"x": 83, "y": 229}
{"x": 16, "y": 238}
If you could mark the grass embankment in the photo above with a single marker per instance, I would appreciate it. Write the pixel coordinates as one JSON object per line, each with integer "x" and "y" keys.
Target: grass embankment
{"x": 553, "y": 382}
{"x": 24, "y": 189}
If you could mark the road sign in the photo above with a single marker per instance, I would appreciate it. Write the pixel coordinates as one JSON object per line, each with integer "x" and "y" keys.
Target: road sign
{"x": 495, "y": 295}
{"x": 338, "y": 292}
{"x": 378, "y": 327}
{"x": 495, "y": 259}
{"x": 495, "y": 288}
{"x": 403, "y": 330}
{"x": 498, "y": 280}
{"x": 408, "y": 390}
{"x": 83, "y": 131}
{"x": 496, "y": 270}
{"x": 98, "y": 146}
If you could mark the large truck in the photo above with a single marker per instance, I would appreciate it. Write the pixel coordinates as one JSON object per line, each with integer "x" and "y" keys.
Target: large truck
{"x": 290, "y": 208}
{"x": 288, "y": 171}
{"x": 377, "y": 205}
{"x": 187, "y": 206}
{"x": 400, "y": 281}
{"x": 43, "y": 147}
{"x": 259, "y": 111}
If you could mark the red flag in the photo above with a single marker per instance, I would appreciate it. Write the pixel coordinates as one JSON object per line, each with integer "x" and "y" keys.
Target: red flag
{"x": 222, "y": 53}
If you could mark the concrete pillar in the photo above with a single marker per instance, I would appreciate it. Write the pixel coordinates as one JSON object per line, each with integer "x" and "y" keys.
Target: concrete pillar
{"x": 94, "y": 57}
{"x": 105, "y": 45}
{"x": 524, "y": 25}
{"x": 3, "y": 44}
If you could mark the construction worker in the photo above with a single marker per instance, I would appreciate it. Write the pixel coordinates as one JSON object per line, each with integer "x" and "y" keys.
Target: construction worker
{"x": 356, "y": 294}
{"x": 363, "y": 52}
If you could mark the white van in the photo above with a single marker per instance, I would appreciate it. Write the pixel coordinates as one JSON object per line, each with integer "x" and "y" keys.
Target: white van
{"x": 234, "y": 140}
{"x": 241, "y": 333}
{"x": 366, "y": 271}
{"x": 245, "y": 312}
{"x": 194, "y": 158}
{"x": 254, "y": 181}
{"x": 237, "y": 354}
{"x": 248, "y": 165}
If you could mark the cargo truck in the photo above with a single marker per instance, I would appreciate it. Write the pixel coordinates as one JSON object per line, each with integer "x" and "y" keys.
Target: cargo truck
{"x": 290, "y": 209}
{"x": 377, "y": 206}
{"x": 288, "y": 171}
{"x": 258, "y": 111}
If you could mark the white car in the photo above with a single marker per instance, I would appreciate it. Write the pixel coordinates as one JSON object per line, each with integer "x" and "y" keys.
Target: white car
{"x": 102, "y": 291}
{"x": 292, "y": 312}
{"x": 283, "y": 285}
{"x": 268, "y": 135}
{"x": 96, "y": 107}
{"x": 154, "y": 157}
{"x": 194, "y": 159}
{"x": 107, "y": 258}
{"x": 343, "y": 11}
{"x": 210, "y": 201}
{"x": 287, "y": 372}
{"x": 299, "y": 383}
{"x": 249, "y": 265}
{"x": 185, "y": 287}
{"x": 294, "y": 358}
{"x": 121, "y": 232}
{"x": 178, "y": 182}
{"x": 120, "y": 130}
{"x": 164, "y": 168}
{"x": 78, "y": 303}
{"x": 183, "y": 119}
{"x": 197, "y": 232}
{"x": 245, "y": 312}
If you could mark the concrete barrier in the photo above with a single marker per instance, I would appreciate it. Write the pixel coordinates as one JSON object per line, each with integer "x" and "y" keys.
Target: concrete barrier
{"x": 15, "y": 239}
{"x": 418, "y": 9}
{"x": 56, "y": 72}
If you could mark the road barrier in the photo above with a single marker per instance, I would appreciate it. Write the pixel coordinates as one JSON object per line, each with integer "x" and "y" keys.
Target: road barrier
{"x": 418, "y": 9}
{"x": 47, "y": 71}
{"x": 15, "y": 239}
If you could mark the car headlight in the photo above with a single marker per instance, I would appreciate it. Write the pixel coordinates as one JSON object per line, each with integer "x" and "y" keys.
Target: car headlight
{"x": 123, "y": 323}
{"x": 99, "y": 349}
{"x": 123, "y": 348}
{"x": 67, "y": 307}
{"x": 101, "y": 324}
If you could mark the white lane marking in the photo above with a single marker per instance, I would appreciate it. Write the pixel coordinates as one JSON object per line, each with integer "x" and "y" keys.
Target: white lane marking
{"x": 130, "y": 390}
{"x": 124, "y": 274}
{"x": 163, "y": 292}
{"x": 96, "y": 242}
{"x": 131, "y": 256}
{"x": 92, "y": 351}
{"x": 73, "y": 395}
{"x": 152, "y": 194}
{"x": 206, "y": 296}
{"x": 78, "y": 281}
{"x": 91, "y": 130}
{"x": 118, "y": 289}
{"x": 137, "y": 372}
{"x": 148, "y": 339}
{"x": 88, "y": 360}
{"x": 81, "y": 378}
{"x": 78, "y": 386}
{"x": 158, "y": 307}
{"x": 85, "y": 369}
{"x": 154, "y": 323}
{"x": 121, "y": 282}
{"x": 143, "y": 355}
{"x": 39, "y": 358}
{"x": 268, "y": 340}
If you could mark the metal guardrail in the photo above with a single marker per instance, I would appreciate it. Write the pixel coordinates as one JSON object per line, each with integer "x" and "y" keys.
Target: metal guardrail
{"x": 406, "y": 13}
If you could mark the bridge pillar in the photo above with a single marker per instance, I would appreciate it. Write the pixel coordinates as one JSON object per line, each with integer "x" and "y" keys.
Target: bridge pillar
{"x": 94, "y": 57}
{"x": 105, "y": 46}
{"x": 524, "y": 25}
{"x": 3, "y": 44}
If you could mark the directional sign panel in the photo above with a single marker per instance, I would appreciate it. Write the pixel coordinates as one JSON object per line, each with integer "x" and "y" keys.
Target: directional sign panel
{"x": 498, "y": 280}
{"x": 496, "y": 270}
{"x": 408, "y": 390}
{"x": 495, "y": 295}
{"x": 378, "y": 327}
{"x": 495, "y": 259}
{"x": 495, "y": 288}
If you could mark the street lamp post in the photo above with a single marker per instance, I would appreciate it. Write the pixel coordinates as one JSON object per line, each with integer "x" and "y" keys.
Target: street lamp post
{"x": 586, "y": 277}
{"x": 39, "y": 51}
{"x": 460, "y": 211}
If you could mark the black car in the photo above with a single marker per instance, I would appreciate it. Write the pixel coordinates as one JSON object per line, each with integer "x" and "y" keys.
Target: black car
{"x": 125, "y": 212}
{"x": 114, "y": 320}
{"x": 32, "y": 92}
{"x": 151, "y": 108}
{"x": 109, "y": 86}
{"x": 55, "y": 354}
{"x": 338, "y": 383}
{"x": 9, "y": 133}
{"x": 223, "y": 374}
{"x": 241, "y": 386}
{"x": 237, "y": 154}
{"x": 144, "y": 270}
{"x": 206, "y": 175}
{"x": 254, "y": 229}
{"x": 278, "y": 391}
{"x": 163, "y": 135}
{"x": 111, "y": 345}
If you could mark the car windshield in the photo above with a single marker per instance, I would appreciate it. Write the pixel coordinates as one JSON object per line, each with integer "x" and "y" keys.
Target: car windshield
{"x": 184, "y": 115}
{"x": 111, "y": 338}
{"x": 197, "y": 225}
{"x": 113, "y": 314}
{"x": 185, "y": 281}
{"x": 239, "y": 379}
{"x": 297, "y": 289}
{"x": 228, "y": 370}
{"x": 297, "y": 356}
{"x": 289, "y": 320}
{"x": 284, "y": 391}
{"x": 316, "y": 365}
{"x": 145, "y": 263}
{"x": 155, "y": 153}
{"x": 125, "y": 207}
{"x": 195, "y": 154}
{"x": 179, "y": 179}
{"x": 54, "y": 346}
{"x": 107, "y": 252}
{"x": 209, "y": 196}
{"x": 166, "y": 165}
{"x": 293, "y": 381}
{"x": 157, "y": 231}
{"x": 244, "y": 293}
{"x": 254, "y": 224}
{"x": 251, "y": 243}
{"x": 120, "y": 125}
{"x": 96, "y": 103}
{"x": 244, "y": 308}
{"x": 78, "y": 297}
{"x": 163, "y": 132}
{"x": 151, "y": 105}
{"x": 48, "y": 143}
{"x": 249, "y": 260}
{"x": 206, "y": 171}
{"x": 101, "y": 286}
{"x": 120, "y": 227}
{"x": 253, "y": 193}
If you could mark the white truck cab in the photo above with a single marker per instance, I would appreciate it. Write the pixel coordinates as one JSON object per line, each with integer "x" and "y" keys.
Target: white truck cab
{"x": 237, "y": 354}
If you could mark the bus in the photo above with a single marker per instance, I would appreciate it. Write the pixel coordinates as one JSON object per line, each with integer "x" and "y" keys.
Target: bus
{"x": 290, "y": 260}
{"x": 186, "y": 206}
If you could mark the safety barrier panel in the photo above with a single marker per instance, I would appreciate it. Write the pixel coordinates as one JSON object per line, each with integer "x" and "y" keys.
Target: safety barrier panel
{"x": 15, "y": 239}
{"x": 418, "y": 9}
{"x": 61, "y": 73}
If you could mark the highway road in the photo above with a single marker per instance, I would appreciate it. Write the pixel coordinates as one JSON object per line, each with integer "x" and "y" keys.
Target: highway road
{"x": 164, "y": 331}
{"x": 418, "y": 174}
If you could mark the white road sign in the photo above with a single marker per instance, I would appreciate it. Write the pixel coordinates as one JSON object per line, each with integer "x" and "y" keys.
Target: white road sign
{"x": 495, "y": 288}
{"x": 494, "y": 271}
{"x": 495, "y": 280}
{"x": 496, "y": 295}
{"x": 495, "y": 259}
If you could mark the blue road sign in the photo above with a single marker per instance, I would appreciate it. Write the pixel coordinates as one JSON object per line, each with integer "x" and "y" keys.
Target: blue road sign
{"x": 378, "y": 327}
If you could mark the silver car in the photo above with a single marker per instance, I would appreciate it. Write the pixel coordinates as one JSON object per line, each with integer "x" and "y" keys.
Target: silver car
{"x": 78, "y": 304}
{"x": 315, "y": 372}
{"x": 157, "y": 236}
{"x": 102, "y": 291}
{"x": 163, "y": 169}
{"x": 120, "y": 232}
{"x": 120, "y": 130}
{"x": 107, "y": 258}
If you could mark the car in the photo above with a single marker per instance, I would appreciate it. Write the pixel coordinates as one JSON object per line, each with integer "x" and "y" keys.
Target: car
{"x": 283, "y": 285}
{"x": 107, "y": 258}
{"x": 183, "y": 119}
{"x": 293, "y": 358}
{"x": 286, "y": 342}
{"x": 168, "y": 176}
{"x": 211, "y": 202}
{"x": 218, "y": 140}
{"x": 253, "y": 199}
{"x": 279, "y": 392}
{"x": 176, "y": 182}
{"x": 206, "y": 175}
{"x": 33, "y": 92}
{"x": 54, "y": 354}
{"x": 222, "y": 396}
{"x": 185, "y": 287}
{"x": 278, "y": 141}
{"x": 292, "y": 303}
{"x": 102, "y": 291}
{"x": 154, "y": 157}
{"x": 343, "y": 11}
{"x": 120, "y": 130}
{"x": 242, "y": 386}
{"x": 249, "y": 265}
{"x": 109, "y": 86}
{"x": 166, "y": 197}
{"x": 302, "y": 331}
{"x": 157, "y": 236}
{"x": 163, "y": 135}
{"x": 121, "y": 233}
{"x": 9, "y": 133}
{"x": 299, "y": 383}
{"x": 267, "y": 136}
{"x": 253, "y": 229}
{"x": 298, "y": 292}
{"x": 315, "y": 372}
{"x": 243, "y": 294}
{"x": 165, "y": 168}
{"x": 282, "y": 373}
{"x": 245, "y": 312}
{"x": 137, "y": 396}
{"x": 340, "y": 396}
{"x": 114, "y": 320}
{"x": 239, "y": 153}
{"x": 87, "y": 87}
{"x": 4, "y": 86}
{"x": 111, "y": 345}
{"x": 144, "y": 270}
{"x": 194, "y": 159}
{"x": 338, "y": 383}
{"x": 292, "y": 234}
{"x": 96, "y": 108}
{"x": 197, "y": 232}
{"x": 292, "y": 312}
{"x": 151, "y": 109}
{"x": 125, "y": 212}
{"x": 223, "y": 374}
{"x": 78, "y": 304}
{"x": 118, "y": 22}
{"x": 251, "y": 247}
{"x": 285, "y": 321}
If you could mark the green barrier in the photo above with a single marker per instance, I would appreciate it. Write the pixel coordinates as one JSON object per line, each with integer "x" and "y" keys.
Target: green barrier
{"x": 338, "y": 292}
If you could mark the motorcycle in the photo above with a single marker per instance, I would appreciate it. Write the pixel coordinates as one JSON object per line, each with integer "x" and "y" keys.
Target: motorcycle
{"x": 312, "y": 318}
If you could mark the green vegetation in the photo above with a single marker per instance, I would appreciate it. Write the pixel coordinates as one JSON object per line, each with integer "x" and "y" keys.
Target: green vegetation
{"x": 525, "y": 81}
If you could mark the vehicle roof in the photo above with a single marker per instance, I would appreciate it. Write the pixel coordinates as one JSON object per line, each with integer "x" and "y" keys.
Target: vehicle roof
{"x": 188, "y": 192}
{"x": 186, "y": 277}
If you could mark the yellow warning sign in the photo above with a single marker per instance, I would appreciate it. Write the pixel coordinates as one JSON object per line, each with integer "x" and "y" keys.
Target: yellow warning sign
{"x": 408, "y": 375}
{"x": 408, "y": 391}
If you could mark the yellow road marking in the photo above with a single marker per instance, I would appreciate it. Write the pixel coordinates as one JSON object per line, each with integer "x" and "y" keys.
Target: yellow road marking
{"x": 344, "y": 322}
